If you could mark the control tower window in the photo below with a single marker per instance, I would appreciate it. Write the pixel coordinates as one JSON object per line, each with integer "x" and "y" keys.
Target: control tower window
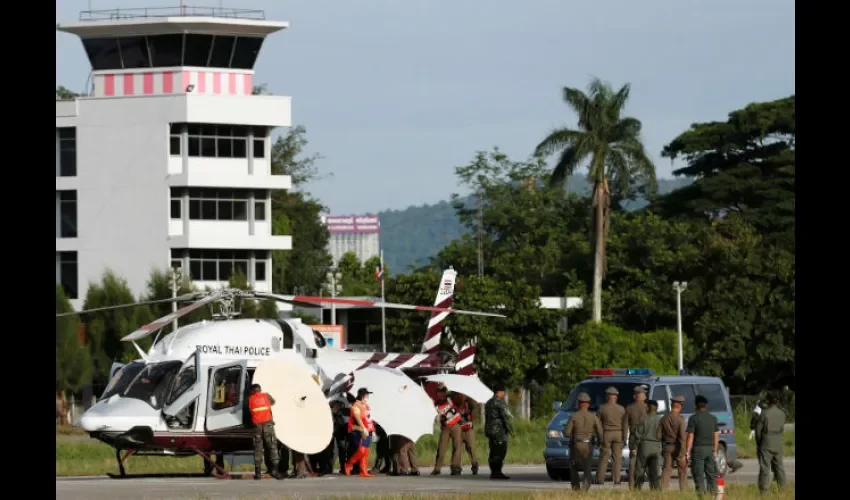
{"x": 197, "y": 50}
{"x": 103, "y": 53}
{"x": 134, "y": 52}
{"x": 246, "y": 52}
{"x": 222, "y": 50}
{"x": 166, "y": 50}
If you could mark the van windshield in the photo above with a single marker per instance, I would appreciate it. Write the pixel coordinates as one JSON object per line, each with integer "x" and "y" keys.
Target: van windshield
{"x": 596, "y": 391}
{"x": 152, "y": 383}
{"x": 122, "y": 379}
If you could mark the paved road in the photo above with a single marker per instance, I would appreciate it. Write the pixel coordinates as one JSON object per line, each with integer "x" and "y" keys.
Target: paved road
{"x": 523, "y": 478}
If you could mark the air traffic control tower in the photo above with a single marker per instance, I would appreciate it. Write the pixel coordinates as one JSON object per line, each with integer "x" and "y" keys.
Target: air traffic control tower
{"x": 165, "y": 163}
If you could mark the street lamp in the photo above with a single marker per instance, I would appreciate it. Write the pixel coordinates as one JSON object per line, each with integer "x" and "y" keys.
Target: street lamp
{"x": 680, "y": 287}
{"x": 334, "y": 287}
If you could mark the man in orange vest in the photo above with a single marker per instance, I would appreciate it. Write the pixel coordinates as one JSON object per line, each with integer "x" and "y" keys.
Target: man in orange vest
{"x": 465, "y": 407}
{"x": 450, "y": 430}
{"x": 360, "y": 430}
{"x": 260, "y": 405}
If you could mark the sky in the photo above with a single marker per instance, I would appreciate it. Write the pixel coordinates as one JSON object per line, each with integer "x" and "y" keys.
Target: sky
{"x": 395, "y": 94}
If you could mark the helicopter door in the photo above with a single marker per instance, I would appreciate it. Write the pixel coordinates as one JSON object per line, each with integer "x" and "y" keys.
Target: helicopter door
{"x": 226, "y": 396}
{"x": 185, "y": 388}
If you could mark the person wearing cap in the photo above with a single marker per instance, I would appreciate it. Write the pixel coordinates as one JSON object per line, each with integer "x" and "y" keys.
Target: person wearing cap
{"x": 497, "y": 428}
{"x": 613, "y": 417}
{"x": 703, "y": 442}
{"x": 260, "y": 405}
{"x": 450, "y": 431}
{"x": 466, "y": 406}
{"x": 769, "y": 429}
{"x": 360, "y": 429}
{"x": 673, "y": 441}
{"x": 580, "y": 430}
{"x": 635, "y": 413}
{"x": 648, "y": 437}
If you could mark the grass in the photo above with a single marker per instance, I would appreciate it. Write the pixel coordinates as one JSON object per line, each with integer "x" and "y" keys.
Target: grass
{"x": 77, "y": 455}
{"x": 738, "y": 492}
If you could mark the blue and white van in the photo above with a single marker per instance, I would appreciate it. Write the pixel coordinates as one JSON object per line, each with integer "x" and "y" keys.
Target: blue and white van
{"x": 658, "y": 387}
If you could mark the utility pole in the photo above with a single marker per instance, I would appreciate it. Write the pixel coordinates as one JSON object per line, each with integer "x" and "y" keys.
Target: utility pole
{"x": 333, "y": 278}
{"x": 480, "y": 234}
{"x": 174, "y": 296}
{"x": 383, "y": 310}
{"x": 679, "y": 288}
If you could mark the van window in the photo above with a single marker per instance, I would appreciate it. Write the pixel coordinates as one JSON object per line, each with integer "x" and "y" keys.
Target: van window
{"x": 659, "y": 393}
{"x": 686, "y": 390}
{"x": 715, "y": 396}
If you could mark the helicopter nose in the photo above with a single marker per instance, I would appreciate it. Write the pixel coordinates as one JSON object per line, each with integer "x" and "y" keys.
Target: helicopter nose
{"x": 118, "y": 415}
{"x": 92, "y": 423}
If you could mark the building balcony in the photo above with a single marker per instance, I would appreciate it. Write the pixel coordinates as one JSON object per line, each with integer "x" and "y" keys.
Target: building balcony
{"x": 233, "y": 173}
{"x": 225, "y": 235}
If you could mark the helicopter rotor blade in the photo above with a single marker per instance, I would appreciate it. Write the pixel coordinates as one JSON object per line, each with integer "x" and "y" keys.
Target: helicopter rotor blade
{"x": 295, "y": 299}
{"x": 155, "y": 325}
{"x": 182, "y": 298}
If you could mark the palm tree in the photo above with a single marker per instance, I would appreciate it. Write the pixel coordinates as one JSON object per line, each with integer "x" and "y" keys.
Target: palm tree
{"x": 616, "y": 155}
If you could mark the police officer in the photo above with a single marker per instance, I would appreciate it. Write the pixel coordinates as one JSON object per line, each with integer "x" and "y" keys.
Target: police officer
{"x": 581, "y": 429}
{"x": 260, "y": 406}
{"x": 465, "y": 407}
{"x": 450, "y": 432}
{"x": 674, "y": 440}
{"x": 612, "y": 416}
{"x": 703, "y": 442}
{"x": 769, "y": 429}
{"x": 497, "y": 428}
{"x": 635, "y": 413}
{"x": 648, "y": 437}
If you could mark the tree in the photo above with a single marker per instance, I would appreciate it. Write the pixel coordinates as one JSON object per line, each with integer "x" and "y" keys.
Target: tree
{"x": 105, "y": 328}
{"x": 745, "y": 165}
{"x": 529, "y": 231}
{"x": 73, "y": 359}
{"x": 63, "y": 94}
{"x": 616, "y": 155}
{"x": 297, "y": 214}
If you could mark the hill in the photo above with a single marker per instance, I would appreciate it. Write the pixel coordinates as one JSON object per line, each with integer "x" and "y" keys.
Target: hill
{"x": 412, "y": 235}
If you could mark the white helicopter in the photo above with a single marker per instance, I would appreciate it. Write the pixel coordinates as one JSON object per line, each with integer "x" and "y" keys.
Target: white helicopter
{"x": 186, "y": 395}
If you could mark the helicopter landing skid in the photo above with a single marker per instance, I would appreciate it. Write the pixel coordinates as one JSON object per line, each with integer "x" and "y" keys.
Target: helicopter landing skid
{"x": 218, "y": 471}
{"x": 121, "y": 472}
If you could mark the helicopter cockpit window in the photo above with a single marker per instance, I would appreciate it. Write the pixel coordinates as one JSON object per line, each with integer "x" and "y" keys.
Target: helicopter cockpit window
{"x": 122, "y": 379}
{"x": 184, "y": 380}
{"x": 152, "y": 383}
{"x": 228, "y": 382}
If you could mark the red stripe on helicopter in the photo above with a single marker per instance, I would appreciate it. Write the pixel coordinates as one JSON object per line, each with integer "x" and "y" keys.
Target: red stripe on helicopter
{"x": 399, "y": 360}
{"x": 376, "y": 358}
{"x": 437, "y": 328}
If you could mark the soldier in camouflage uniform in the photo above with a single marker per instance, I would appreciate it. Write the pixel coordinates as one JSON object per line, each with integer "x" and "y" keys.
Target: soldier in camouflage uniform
{"x": 497, "y": 428}
{"x": 260, "y": 405}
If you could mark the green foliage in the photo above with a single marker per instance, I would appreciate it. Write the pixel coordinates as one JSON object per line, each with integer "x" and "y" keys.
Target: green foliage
{"x": 73, "y": 360}
{"x": 105, "y": 328}
{"x": 297, "y": 214}
{"x": 358, "y": 279}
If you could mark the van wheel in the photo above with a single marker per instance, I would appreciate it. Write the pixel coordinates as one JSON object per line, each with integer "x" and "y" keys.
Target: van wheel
{"x": 558, "y": 474}
{"x": 722, "y": 464}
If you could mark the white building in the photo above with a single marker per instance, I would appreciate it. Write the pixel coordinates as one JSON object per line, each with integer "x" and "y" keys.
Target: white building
{"x": 353, "y": 233}
{"x": 166, "y": 163}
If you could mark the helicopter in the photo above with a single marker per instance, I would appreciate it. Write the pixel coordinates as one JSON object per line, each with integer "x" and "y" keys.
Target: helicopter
{"x": 186, "y": 395}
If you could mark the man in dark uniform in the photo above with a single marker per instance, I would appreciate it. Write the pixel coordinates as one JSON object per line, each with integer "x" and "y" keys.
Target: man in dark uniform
{"x": 703, "y": 443}
{"x": 404, "y": 456}
{"x": 612, "y": 416}
{"x": 384, "y": 458}
{"x": 674, "y": 442}
{"x": 260, "y": 405}
{"x": 648, "y": 436}
{"x": 497, "y": 428}
{"x": 769, "y": 429}
{"x": 635, "y": 413}
{"x": 581, "y": 429}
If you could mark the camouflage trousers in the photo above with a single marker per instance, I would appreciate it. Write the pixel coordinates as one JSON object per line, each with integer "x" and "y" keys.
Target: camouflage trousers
{"x": 265, "y": 440}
